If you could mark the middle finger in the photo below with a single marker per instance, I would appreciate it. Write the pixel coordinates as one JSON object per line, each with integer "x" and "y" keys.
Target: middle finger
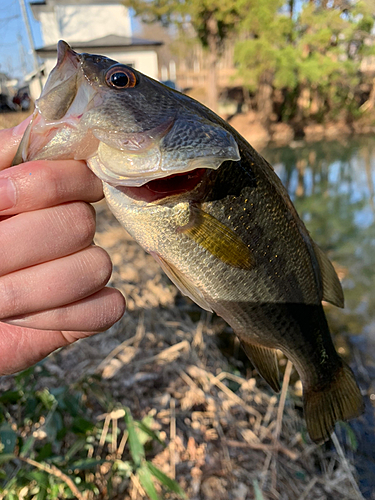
{"x": 45, "y": 235}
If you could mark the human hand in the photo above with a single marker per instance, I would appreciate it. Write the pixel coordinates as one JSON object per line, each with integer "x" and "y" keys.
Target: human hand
{"x": 52, "y": 279}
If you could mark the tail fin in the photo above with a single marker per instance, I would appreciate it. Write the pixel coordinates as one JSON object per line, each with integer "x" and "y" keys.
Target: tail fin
{"x": 339, "y": 400}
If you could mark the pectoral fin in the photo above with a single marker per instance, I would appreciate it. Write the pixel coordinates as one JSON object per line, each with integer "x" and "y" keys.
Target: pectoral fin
{"x": 218, "y": 239}
{"x": 182, "y": 283}
{"x": 265, "y": 361}
{"x": 332, "y": 290}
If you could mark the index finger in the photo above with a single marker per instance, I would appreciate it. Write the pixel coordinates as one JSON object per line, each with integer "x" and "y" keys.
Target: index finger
{"x": 9, "y": 141}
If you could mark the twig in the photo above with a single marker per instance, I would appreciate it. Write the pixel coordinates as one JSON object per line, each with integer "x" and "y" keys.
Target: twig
{"x": 284, "y": 391}
{"x": 265, "y": 468}
{"x": 114, "y": 435}
{"x": 308, "y": 488}
{"x": 267, "y": 417}
{"x": 121, "y": 447}
{"x": 224, "y": 443}
{"x": 345, "y": 465}
{"x": 172, "y": 444}
{"x": 231, "y": 376}
{"x": 107, "y": 417}
{"x": 138, "y": 485}
{"x": 234, "y": 397}
{"x": 188, "y": 380}
{"x": 54, "y": 471}
{"x": 279, "y": 421}
{"x": 166, "y": 353}
{"x": 198, "y": 336}
{"x": 104, "y": 434}
{"x": 264, "y": 447}
{"x": 137, "y": 337}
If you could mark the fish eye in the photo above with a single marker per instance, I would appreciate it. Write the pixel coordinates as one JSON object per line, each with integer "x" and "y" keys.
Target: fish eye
{"x": 120, "y": 77}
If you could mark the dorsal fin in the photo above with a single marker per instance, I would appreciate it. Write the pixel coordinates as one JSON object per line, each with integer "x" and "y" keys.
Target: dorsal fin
{"x": 265, "y": 361}
{"x": 182, "y": 283}
{"x": 332, "y": 290}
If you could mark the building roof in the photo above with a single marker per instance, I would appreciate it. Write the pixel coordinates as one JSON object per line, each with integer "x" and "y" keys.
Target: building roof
{"x": 45, "y": 3}
{"x": 113, "y": 42}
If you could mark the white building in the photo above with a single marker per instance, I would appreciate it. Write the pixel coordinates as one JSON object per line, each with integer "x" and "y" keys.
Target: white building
{"x": 94, "y": 26}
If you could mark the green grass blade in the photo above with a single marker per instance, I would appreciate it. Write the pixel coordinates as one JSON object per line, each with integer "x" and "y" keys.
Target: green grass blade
{"x": 169, "y": 483}
{"x": 145, "y": 478}
{"x": 144, "y": 428}
{"x": 257, "y": 491}
{"x": 136, "y": 448}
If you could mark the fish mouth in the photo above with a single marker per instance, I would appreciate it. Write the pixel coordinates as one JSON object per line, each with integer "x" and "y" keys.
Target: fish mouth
{"x": 172, "y": 185}
{"x": 130, "y": 159}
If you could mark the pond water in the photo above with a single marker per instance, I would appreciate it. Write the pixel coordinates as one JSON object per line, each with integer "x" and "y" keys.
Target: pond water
{"x": 332, "y": 185}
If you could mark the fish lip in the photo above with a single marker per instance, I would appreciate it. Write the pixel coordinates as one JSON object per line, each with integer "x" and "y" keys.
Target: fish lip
{"x": 64, "y": 50}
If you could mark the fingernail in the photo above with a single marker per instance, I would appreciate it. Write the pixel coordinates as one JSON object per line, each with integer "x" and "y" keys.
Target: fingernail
{"x": 7, "y": 194}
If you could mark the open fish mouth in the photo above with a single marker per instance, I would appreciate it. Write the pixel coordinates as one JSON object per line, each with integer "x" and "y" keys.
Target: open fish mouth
{"x": 130, "y": 159}
{"x": 138, "y": 158}
{"x": 164, "y": 187}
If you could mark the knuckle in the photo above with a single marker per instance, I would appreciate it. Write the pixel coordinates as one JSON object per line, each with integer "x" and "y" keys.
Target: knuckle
{"x": 84, "y": 222}
{"x": 112, "y": 308}
{"x": 9, "y": 298}
{"x": 118, "y": 306}
{"x": 52, "y": 181}
{"x": 103, "y": 264}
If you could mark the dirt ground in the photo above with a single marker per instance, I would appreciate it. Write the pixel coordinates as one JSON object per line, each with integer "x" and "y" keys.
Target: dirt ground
{"x": 228, "y": 436}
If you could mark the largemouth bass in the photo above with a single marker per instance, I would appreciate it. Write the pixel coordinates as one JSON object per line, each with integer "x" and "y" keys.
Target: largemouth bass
{"x": 210, "y": 210}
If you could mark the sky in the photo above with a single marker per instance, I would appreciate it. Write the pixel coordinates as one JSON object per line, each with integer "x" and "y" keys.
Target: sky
{"x": 15, "y": 57}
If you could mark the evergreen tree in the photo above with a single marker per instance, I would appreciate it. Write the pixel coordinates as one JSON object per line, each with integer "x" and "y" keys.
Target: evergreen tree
{"x": 314, "y": 54}
{"x": 212, "y": 21}
{"x": 266, "y": 57}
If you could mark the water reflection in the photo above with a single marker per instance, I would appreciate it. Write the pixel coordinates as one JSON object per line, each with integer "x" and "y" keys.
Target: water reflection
{"x": 332, "y": 187}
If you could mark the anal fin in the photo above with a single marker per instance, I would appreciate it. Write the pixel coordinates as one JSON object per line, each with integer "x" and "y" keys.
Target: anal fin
{"x": 265, "y": 361}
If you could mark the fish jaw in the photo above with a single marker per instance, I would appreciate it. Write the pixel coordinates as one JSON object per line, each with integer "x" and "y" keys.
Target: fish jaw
{"x": 57, "y": 129}
{"x": 135, "y": 159}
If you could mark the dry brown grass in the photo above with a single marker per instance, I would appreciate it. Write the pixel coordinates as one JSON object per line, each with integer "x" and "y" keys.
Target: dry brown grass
{"x": 227, "y": 437}
{"x": 8, "y": 120}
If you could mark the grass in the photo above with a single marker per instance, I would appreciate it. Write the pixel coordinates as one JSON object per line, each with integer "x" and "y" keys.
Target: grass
{"x": 52, "y": 446}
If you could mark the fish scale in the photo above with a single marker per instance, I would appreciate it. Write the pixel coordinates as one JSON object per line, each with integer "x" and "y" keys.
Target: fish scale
{"x": 210, "y": 210}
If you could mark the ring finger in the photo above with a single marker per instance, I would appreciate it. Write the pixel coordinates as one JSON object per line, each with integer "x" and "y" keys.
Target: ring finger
{"x": 45, "y": 235}
{"x": 54, "y": 284}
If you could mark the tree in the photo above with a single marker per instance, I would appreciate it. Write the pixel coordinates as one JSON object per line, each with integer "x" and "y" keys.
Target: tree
{"x": 212, "y": 21}
{"x": 313, "y": 54}
{"x": 266, "y": 56}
